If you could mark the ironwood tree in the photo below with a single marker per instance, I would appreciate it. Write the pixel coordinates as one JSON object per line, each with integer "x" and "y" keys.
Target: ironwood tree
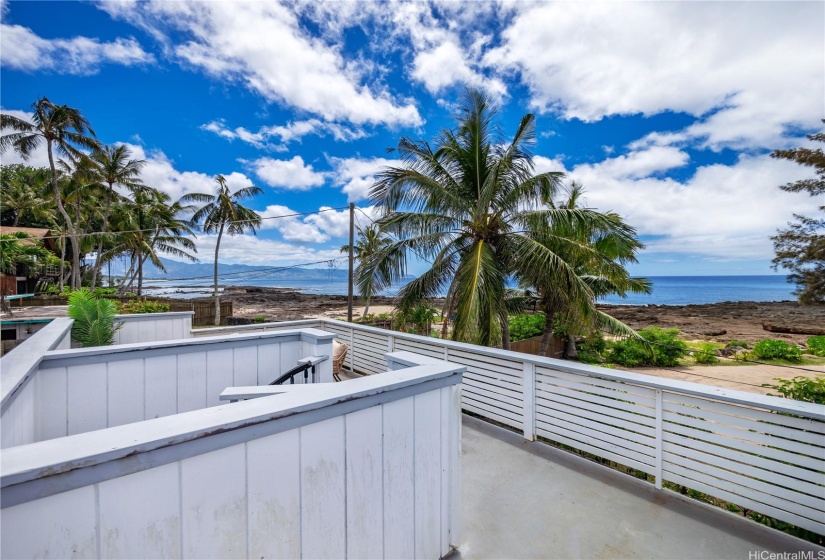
{"x": 800, "y": 248}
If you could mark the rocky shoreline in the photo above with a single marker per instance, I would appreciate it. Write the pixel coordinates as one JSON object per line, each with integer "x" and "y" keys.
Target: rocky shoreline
{"x": 733, "y": 320}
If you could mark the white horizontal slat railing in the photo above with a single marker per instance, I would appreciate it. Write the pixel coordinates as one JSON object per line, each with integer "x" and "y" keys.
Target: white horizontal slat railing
{"x": 759, "y": 452}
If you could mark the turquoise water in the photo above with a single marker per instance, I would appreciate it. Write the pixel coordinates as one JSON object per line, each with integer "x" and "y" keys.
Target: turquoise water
{"x": 667, "y": 290}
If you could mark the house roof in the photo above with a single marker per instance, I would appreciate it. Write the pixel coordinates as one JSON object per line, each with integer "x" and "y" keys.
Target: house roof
{"x": 43, "y": 234}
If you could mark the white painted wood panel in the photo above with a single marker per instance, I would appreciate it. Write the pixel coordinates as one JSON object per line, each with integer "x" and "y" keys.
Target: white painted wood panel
{"x": 365, "y": 475}
{"x": 161, "y": 386}
{"x": 51, "y": 421}
{"x": 214, "y": 504}
{"x": 60, "y": 526}
{"x": 274, "y": 489}
{"x": 399, "y": 479}
{"x": 427, "y": 436}
{"x": 246, "y": 366}
{"x": 87, "y": 398}
{"x": 219, "y": 374}
{"x": 323, "y": 487}
{"x": 191, "y": 381}
{"x": 140, "y": 514}
{"x": 269, "y": 358}
{"x": 167, "y": 330}
{"x": 125, "y": 380}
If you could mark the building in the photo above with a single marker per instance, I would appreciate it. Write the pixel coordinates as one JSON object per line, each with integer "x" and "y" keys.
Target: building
{"x": 25, "y": 280}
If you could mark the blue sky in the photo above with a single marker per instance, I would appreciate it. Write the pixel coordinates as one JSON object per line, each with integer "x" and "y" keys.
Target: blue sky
{"x": 665, "y": 111}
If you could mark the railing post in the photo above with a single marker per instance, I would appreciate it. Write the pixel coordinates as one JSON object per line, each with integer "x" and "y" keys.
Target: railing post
{"x": 390, "y": 343}
{"x": 352, "y": 349}
{"x": 529, "y": 398}
{"x": 659, "y": 451}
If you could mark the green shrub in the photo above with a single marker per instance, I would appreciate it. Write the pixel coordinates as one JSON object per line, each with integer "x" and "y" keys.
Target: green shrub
{"x": 770, "y": 349}
{"x": 259, "y": 319}
{"x": 136, "y": 306}
{"x": 663, "y": 350}
{"x": 800, "y": 389}
{"x": 526, "y": 326}
{"x": 591, "y": 351}
{"x": 105, "y": 291}
{"x": 706, "y": 354}
{"x": 737, "y": 344}
{"x": 816, "y": 345}
{"x": 94, "y": 319}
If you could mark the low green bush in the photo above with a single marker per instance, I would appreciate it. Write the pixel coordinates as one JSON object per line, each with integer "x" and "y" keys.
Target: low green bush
{"x": 737, "y": 344}
{"x": 664, "y": 349}
{"x": 105, "y": 291}
{"x": 706, "y": 354}
{"x": 816, "y": 346}
{"x": 143, "y": 306}
{"x": 800, "y": 389}
{"x": 259, "y": 319}
{"x": 526, "y": 326}
{"x": 591, "y": 351}
{"x": 771, "y": 349}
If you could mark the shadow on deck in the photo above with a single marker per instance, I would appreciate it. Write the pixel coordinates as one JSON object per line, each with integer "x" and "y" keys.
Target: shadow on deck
{"x": 528, "y": 500}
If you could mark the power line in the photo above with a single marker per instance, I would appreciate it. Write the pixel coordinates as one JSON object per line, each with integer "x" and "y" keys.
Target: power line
{"x": 265, "y": 270}
{"x": 91, "y": 233}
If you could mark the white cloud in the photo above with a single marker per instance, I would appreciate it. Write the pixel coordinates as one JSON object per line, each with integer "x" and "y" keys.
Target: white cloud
{"x": 749, "y": 70}
{"x": 160, "y": 173}
{"x": 24, "y": 50}
{"x": 319, "y": 227}
{"x": 285, "y": 134}
{"x": 291, "y": 174}
{"x": 357, "y": 175}
{"x": 721, "y": 211}
{"x": 256, "y": 250}
{"x": 264, "y": 45}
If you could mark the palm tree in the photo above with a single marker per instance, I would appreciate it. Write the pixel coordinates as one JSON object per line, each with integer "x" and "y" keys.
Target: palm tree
{"x": 598, "y": 255}
{"x": 150, "y": 225}
{"x": 114, "y": 168}
{"x": 63, "y": 128}
{"x": 370, "y": 241}
{"x": 223, "y": 213}
{"x": 465, "y": 205}
{"x": 20, "y": 193}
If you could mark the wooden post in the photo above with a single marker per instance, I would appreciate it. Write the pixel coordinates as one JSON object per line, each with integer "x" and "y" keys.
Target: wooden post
{"x": 351, "y": 257}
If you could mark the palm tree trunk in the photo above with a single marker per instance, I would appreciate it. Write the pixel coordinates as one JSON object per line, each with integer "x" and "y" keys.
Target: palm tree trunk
{"x": 548, "y": 332}
{"x": 75, "y": 283}
{"x": 217, "y": 298}
{"x": 103, "y": 229}
{"x": 367, "y": 308}
{"x": 570, "y": 350}
{"x": 505, "y": 332}
{"x": 62, "y": 260}
{"x": 446, "y": 321}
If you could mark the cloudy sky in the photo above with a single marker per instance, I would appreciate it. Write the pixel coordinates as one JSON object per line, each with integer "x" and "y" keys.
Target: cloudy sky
{"x": 665, "y": 111}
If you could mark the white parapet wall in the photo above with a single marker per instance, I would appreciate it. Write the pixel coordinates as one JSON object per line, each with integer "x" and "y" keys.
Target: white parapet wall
{"x": 150, "y": 327}
{"x": 79, "y": 390}
{"x": 368, "y": 468}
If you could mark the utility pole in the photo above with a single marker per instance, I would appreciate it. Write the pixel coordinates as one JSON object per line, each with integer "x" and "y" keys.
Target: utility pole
{"x": 351, "y": 256}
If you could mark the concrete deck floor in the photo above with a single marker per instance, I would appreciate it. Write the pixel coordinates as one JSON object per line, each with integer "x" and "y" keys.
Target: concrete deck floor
{"x": 528, "y": 500}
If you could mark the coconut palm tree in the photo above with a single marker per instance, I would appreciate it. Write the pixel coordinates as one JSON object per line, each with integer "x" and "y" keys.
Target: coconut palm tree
{"x": 114, "y": 167}
{"x": 370, "y": 241}
{"x": 223, "y": 213}
{"x": 20, "y": 194}
{"x": 65, "y": 132}
{"x": 466, "y": 204}
{"x": 609, "y": 245}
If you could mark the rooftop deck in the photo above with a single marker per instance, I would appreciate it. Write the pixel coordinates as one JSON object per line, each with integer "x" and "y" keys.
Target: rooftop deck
{"x": 525, "y": 499}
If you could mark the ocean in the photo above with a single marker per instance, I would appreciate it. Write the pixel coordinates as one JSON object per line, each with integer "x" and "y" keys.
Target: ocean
{"x": 667, "y": 290}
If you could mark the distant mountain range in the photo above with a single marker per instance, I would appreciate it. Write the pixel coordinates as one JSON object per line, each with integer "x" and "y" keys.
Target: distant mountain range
{"x": 182, "y": 270}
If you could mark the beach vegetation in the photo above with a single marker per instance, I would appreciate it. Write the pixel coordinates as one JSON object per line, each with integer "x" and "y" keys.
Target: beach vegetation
{"x": 259, "y": 319}
{"x": 94, "y": 318}
{"x": 222, "y": 213}
{"x": 370, "y": 241}
{"x": 800, "y": 248}
{"x": 657, "y": 347}
{"x": 771, "y": 349}
{"x": 592, "y": 349}
{"x": 738, "y": 344}
{"x": 806, "y": 389}
{"x": 526, "y": 325}
{"x": 136, "y": 306}
{"x": 66, "y": 132}
{"x": 815, "y": 345}
{"x": 471, "y": 204}
{"x": 706, "y": 354}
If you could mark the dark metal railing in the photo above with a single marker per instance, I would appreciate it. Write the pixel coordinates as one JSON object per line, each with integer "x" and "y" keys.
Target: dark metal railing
{"x": 305, "y": 368}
